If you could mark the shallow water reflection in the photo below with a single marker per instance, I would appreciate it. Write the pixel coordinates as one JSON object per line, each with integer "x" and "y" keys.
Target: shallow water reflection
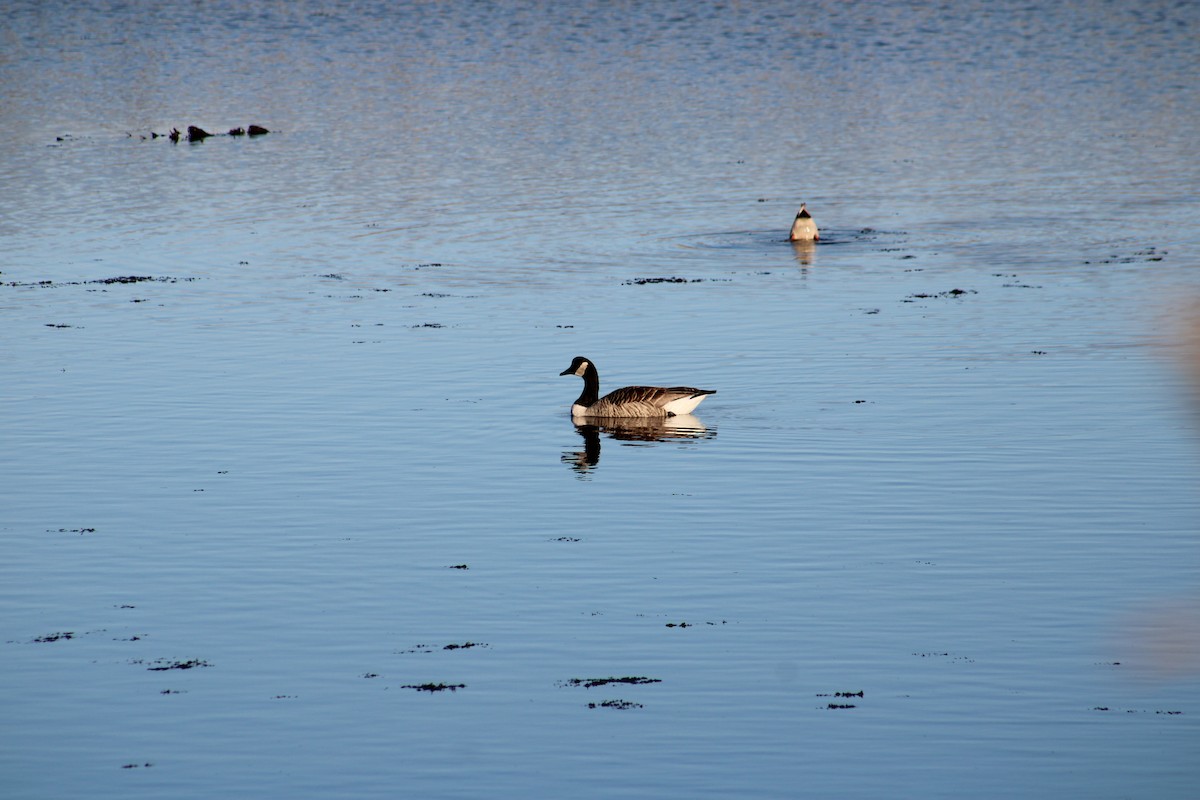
{"x": 635, "y": 430}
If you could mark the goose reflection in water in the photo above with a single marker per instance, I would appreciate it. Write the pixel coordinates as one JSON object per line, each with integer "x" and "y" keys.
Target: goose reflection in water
{"x": 804, "y": 252}
{"x": 631, "y": 431}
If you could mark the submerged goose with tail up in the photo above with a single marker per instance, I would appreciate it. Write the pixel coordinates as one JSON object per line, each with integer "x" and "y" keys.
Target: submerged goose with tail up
{"x": 803, "y": 227}
{"x": 631, "y": 401}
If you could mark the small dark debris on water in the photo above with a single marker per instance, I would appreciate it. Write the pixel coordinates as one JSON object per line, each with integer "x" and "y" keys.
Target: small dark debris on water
{"x": 172, "y": 691}
{"x": 679, "y": 625}
{"x": 58, "y": 325}
{"x": 164, "y": 665}
{"x": 949, "y": 293}
{"x": 195, "y": 134}
{"x": 458, "y": 566}
{"x": 1149, "y": 254}
{"x": 80, "y": 531}
{"x": 1038, "y": 352}
{"x": 124, "y": 279}
{"x": 564, "y": 326}
{"x": 965, "y": 659}
{"x": 370, "y": 674}
{"x": 645, "y": 281}
{"x": 429, "y": 325}
{"x": 435, "y": 687}
{"x": 566, "y": 539}
{"x": 841, "y": 705}
{"x": 589, "y": 683}
{"x": 136, "y": 766}
{"x": 843, "y": 694}
{"x": 54, "y": 637}
{"x": 621, "y": 705}
{"x": 464, "y": 646}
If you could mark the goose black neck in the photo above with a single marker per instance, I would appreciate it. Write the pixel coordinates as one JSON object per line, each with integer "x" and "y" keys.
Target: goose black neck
{"x": 591, "y": 386}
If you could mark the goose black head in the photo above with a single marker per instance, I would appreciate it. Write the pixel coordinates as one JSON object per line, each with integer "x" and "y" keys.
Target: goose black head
{"x": 579, "y": 365}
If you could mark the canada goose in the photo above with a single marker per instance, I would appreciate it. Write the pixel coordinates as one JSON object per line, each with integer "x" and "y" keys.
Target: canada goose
{"x": 803, "y": 227}
{"x": 631, "y": 401}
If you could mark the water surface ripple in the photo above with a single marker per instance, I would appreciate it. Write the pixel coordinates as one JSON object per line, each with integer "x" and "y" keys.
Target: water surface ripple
{"x": 291, "y": 503}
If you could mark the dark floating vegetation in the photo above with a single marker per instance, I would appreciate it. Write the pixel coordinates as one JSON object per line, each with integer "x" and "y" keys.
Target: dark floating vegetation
{"x": 948, "y": 293}
{"x": 425, "y": 648}
{"x": 644, "y": 281}
{"x": 104, "y": 281}
{"x": 621, "y": 705}
{"x": 458, "y": 566}
{"x": 136, "y": 766}
{"x": 1149, "y": 254}
{"x": 843, "y": 705}
{"x": 55, "y": 637}
{"x": 163, "y": 665}
{"x": 946, "y": 655}
{"x": 672, "y": 279}
{"x": 589, "y": 683}
{"x": 435, "y": 687}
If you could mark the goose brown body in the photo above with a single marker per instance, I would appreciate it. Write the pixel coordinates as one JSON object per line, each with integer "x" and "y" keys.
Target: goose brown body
{"x": 630, "y": 401}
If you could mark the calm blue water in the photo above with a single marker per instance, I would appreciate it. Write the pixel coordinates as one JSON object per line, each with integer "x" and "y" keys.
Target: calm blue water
{"x": 951, "y": 463}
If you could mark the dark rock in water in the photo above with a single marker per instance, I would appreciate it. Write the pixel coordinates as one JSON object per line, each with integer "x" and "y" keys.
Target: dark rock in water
{"x": 197, "y": 134}
{"x": 257, "y": 130}
{"x": 237, "y": 131}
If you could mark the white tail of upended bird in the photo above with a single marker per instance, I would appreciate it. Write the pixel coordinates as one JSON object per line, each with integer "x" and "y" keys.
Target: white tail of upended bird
{"x": 630, "y": 401}
{"x": 803, "y": 227}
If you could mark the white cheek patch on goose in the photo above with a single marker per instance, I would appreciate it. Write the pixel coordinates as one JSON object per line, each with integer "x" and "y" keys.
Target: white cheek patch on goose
{"x": 582, "y": 369}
